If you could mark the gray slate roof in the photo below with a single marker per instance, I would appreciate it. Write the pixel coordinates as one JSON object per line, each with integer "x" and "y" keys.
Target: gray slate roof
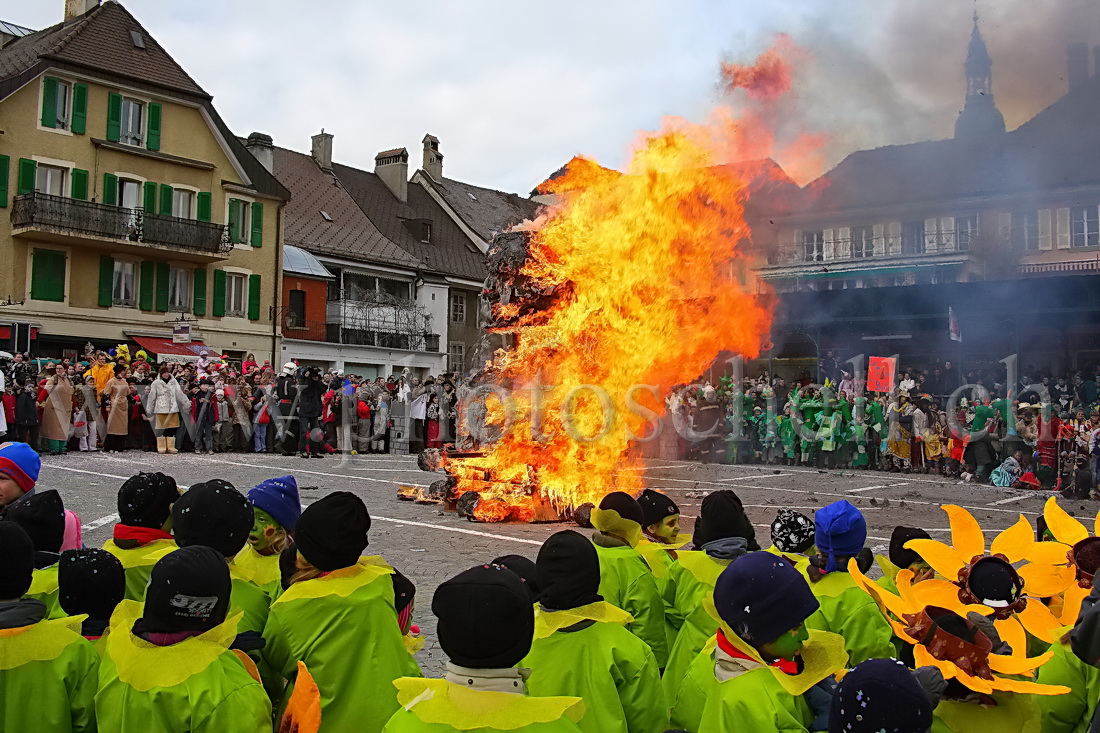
{"x": 487, "y": 211}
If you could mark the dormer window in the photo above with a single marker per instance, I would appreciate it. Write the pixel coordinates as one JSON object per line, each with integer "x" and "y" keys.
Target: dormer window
{"x": 426, "y": 231}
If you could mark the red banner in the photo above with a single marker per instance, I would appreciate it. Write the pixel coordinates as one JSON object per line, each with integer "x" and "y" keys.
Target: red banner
{"x": 880, "y": 373}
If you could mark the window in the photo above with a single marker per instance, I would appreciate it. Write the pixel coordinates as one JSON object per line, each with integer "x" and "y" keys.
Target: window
{"x": 360, "y": 287}
{"x": 458, "y": 307}
{"x": 1085, "y": 228}
{"x": 56, "y": 103}
{"x": 863, "y": 242}
{"x": 426, "y": 231}
{"x": 296, "y": 309}
{"x": 333, "y": 291}
{"x": 183, "y": 204}
{"x": 123, "y": 291}
{"x": 813, "y": 246}
{"x": 912, "y": 238}
{"x": 1025, "y": 230}
{"x": 48, "y": 275}
{"x": 235, "y": 301}
{"x": 237, "y": 211}
{"x": 129, "y": 194}
{"x": 133, "y": 113}
{"x": 50, "y": 179}
{"x": 456, "y": 357}
{"x": 179, "y": 289}
{"x": 966, "y": 229}
{"x": 395, "y": 288}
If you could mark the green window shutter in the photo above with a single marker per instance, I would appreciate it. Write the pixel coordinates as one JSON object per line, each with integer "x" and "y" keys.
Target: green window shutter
{"x": 5, "y": 170}
{"x": 80, "y": 109}
{"x": 28, "y": 171}
{"x": 163, "y": 272}
{"x": 235, "y": 211}
{"x": 149, "y": 197}
{"x": 166, "y": 199}
{"x": 110, "y": 189}
{"x": 204, "y": 206}
{"x": 218, "y": 308}
{"x": 152, "y": 136}
{"x": 114, "y": 117}
{"x": 145, "y": 286}
{"x": 79, "y": 184}
{"x": 253, "y": 297}
{"x": 199, "y": 299}
{"x": 48, "y": 275}
{"x": 106, "y": 281}
{"x": 49, "y": 102}
{"x": 257, "y": 238}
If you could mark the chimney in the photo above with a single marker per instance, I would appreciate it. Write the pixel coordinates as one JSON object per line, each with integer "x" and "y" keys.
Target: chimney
{"x": 322, "y": 149}
{"x": 262, "y": 148}
{"x": 433, "y": 159}
{"x": 392, "y": 166}
{"x": 1077, "y": 58}
{"x": 77, "y": 8}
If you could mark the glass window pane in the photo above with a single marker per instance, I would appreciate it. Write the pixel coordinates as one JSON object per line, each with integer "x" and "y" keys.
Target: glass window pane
{"x": 182, "y": 204}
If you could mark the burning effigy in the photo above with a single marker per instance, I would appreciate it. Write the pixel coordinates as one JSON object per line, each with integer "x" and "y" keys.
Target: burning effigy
{"x": 629, "y": 283}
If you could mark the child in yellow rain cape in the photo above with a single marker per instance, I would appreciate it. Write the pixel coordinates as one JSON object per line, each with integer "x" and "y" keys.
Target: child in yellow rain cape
{"x": 486, "y": 623}
{"x": 142, "y": 535}
{"x": 793, "y": 536}
{"x": 47, "y": 670}
{"x": 276, "y": 508}
{"x": 763, "y": 671}
{"x": 901, "y": 558}
{"x": 722, "y": 534}
{"x": 338, "y": 617}
{"x": 42, "y": 516}
{"x": 582, "y": 649}
{"x": 881, "y": 695}
{"x": 90, "y": 583}
{"x": 167, "y": 665}
{"x": 659, "y": 544}
{"x": 625, "y": 580}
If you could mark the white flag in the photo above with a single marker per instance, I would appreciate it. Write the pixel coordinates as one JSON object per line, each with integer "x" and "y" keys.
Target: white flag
{"x": 953, "y": 329}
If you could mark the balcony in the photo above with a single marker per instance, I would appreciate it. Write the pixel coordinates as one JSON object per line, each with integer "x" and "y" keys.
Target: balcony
{"x": 71, "y": 221}
{"x": 295, "y": 327}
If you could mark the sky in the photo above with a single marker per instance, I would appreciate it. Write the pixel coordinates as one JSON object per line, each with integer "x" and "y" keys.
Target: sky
{"x": 513, "y": 90}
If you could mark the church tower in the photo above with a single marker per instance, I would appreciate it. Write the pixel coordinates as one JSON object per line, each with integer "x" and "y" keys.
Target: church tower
{"x": 980, "y": 116}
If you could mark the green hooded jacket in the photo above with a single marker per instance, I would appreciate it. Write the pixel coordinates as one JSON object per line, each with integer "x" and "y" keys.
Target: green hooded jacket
{"x": 439, "y": 706}
{"x": 1013, "y": 713}
{"x": 627, "y": 583}
{"x": 344, "y": 627}
{"x": 44, "y": 588}
{"x": 47, "y": 678}
{"x": 138, "y": 563}
{"x": 1072, "y": 712}
{"x": 847, "y": 610}
{"x": 690, "y": 582}
{"x": 610, "y": 669}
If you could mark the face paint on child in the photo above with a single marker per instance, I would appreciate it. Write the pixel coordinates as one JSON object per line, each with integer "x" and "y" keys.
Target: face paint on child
{"x": 788, "y": 645}
{"x": 667, "y": 528}
{"x": 264, "y": 531}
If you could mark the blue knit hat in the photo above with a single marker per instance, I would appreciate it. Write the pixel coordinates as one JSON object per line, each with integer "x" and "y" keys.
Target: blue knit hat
{"x": 761, "y": 596}
{"x": 841, "y": 530}
{"x": 279, "y": 498}
{"x": 21, "y": 463}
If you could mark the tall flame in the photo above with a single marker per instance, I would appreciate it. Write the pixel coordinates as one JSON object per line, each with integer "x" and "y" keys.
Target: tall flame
{"x": 651, "y": 284}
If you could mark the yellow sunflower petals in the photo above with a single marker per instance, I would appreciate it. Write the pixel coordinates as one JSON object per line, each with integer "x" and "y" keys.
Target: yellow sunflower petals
{"x": 966, "y": 533}
{"x": 1065, "y": 528}
{"x": 977, "y": 684}
{"x": 943, "y": 558}
{"x": 1028, "y": 688}
{"x": 923, "y": 658}
{"x": 1012, "y": 632}
{"x": 1044, "y": 581}
{"x": 1015, "y": 542}
{"x": 1049, "y": 553}
{"x": 1071, "y": 603}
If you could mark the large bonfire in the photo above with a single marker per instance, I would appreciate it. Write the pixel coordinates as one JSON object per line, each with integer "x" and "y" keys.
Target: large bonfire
{"x": 644, "y": 281}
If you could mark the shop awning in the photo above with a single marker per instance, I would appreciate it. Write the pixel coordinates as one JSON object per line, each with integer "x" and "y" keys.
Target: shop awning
{"x": 165, "y": 348}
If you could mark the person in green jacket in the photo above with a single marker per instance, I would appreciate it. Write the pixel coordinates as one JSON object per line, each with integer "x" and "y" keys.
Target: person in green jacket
{"x": 901, "y": 558}
{"x": 47, "y": 669}
{"x": 846, "y": 609}
{"x": 625, "y": 580}
{"x": 167, "y": 665}
{"x": 793, "y": 535}
{"x": 1073, "y": 712}
{"x": 90, "y": 583}
{"x": 881, "y": 695}
{"x": 42, "y": 516}
{"x": 660, "y": 543}
{"x": 582, "y": 649}
{"x": 485, "y": 625}
{"x": 143, "y": 532}
{"x": 276, "y": 508}
{"x": 764, "y": 670}
{"x": 723, "y": 533}
{"x": 338, "y": 617}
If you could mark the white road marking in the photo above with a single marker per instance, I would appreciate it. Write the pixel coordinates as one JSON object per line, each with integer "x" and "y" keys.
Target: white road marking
{"x": 109, "y": 519}
{"x": 884, "y": 486}
{"x": 767, "y": 475}
{"x": 1011, "y": 499}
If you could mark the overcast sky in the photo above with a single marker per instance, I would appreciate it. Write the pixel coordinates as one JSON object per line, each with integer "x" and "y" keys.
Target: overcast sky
{"x": 513, "y": 89}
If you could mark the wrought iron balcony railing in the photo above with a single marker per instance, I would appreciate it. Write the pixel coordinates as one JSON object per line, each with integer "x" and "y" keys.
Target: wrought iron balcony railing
{"x": 73, "y": 216}
{"x": 294, "y": 326}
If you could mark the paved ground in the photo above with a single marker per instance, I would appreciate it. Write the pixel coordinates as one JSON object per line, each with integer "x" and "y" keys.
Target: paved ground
{"x": 430, "y": 546}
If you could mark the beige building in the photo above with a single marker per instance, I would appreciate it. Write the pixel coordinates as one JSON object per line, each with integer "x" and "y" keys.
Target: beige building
{"x": 132, "y": 209}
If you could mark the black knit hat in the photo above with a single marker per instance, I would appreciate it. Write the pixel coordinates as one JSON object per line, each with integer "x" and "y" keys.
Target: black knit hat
{"x": 568, "y": 571}
{"x": 625, "y": 504}
{"x": 900, "y": 556}
{"x": 18, "y": 565}
{"x": 655, "y": 507}
{"x": 213, "y": 514}
{"x": 42, "y": 516}
{"x": 188, "y": 591}
{"x": 404, "y": 592}
{"x": 90, "y": 581}
{"x": 792, "y": 531}
{"x": 524, "y": 568}
{"x": 721, "y": 516}
{"x": 486, "y": 619}
{"x": 332, "y": 533}
{"x": 880, "y": 695}
{"x": 761, "y": 596}
{"x": 146, "y": 499}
